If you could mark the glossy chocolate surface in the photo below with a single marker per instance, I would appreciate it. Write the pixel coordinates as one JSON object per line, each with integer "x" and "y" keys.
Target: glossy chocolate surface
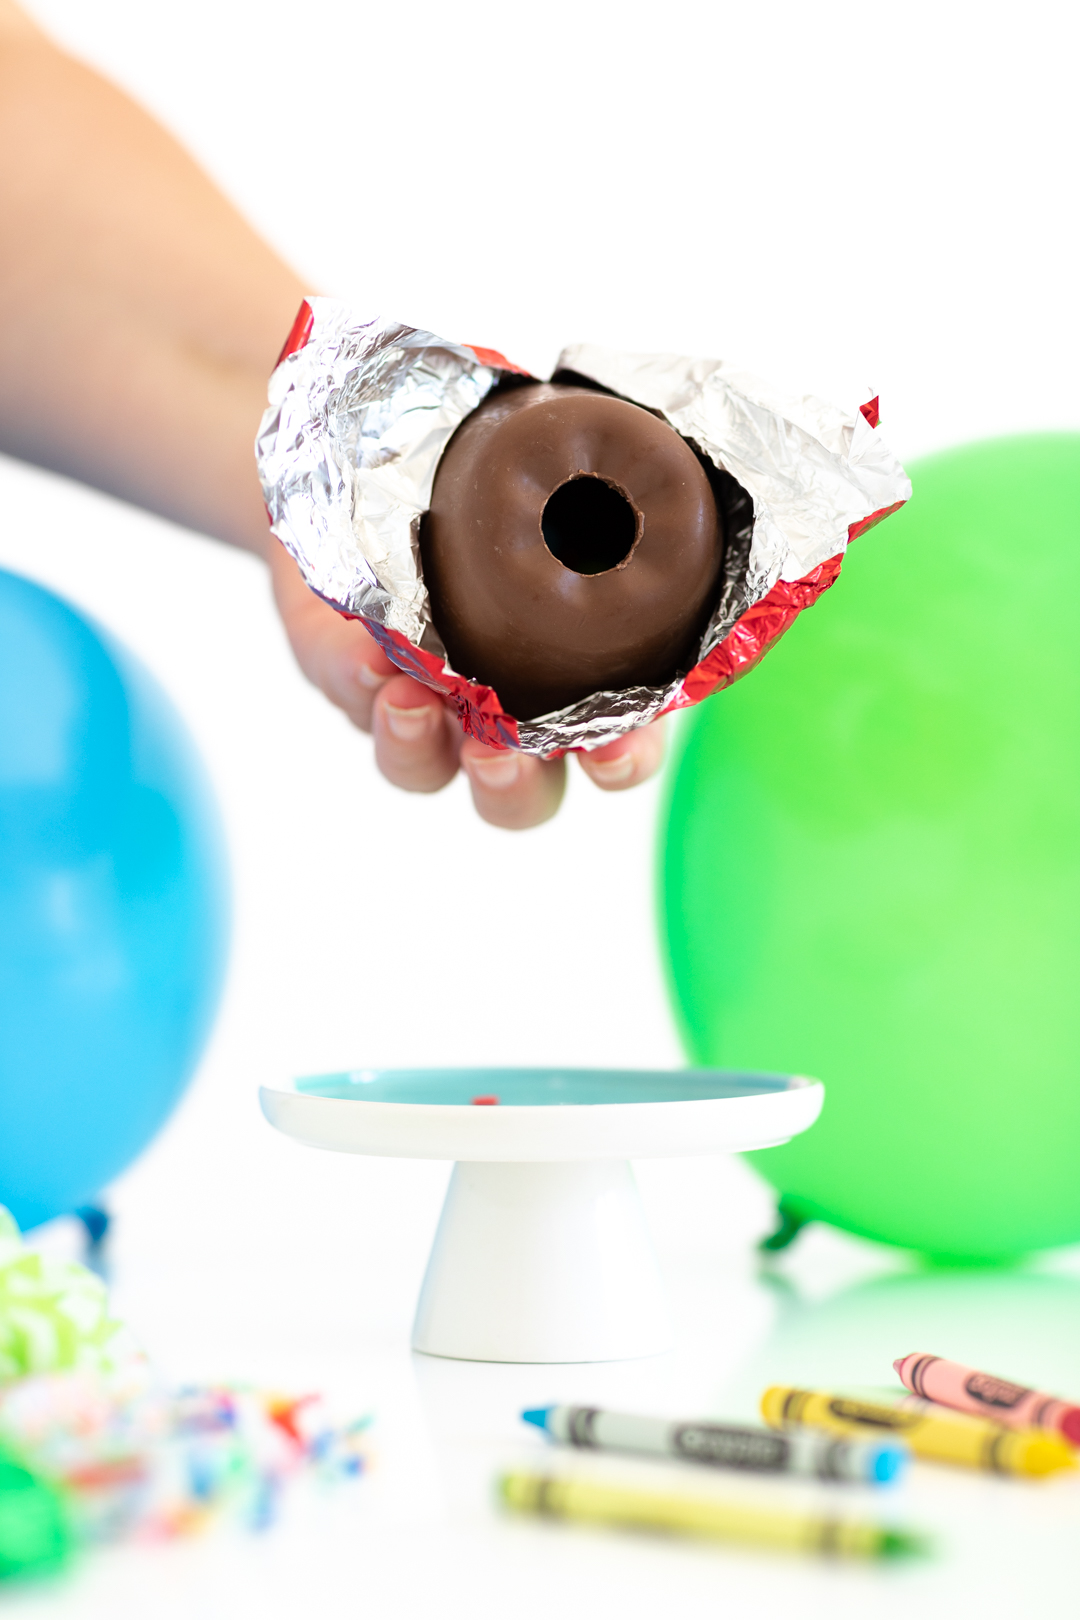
{"x": 573, "y": 545}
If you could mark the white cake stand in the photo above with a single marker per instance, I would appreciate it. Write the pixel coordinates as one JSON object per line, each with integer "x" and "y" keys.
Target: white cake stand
{"x": 542, "y": 1253}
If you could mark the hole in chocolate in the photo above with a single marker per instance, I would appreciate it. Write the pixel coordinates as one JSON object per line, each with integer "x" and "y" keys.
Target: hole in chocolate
{"x": 588, "y": 525}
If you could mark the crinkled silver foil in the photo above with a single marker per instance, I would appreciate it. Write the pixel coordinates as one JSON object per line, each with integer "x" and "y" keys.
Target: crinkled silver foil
{"x": 359, "y": 417}
{"x": 347, "y": 453}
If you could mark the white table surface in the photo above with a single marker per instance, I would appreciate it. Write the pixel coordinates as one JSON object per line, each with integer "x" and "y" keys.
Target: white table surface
{"x": 876, "y": 181}
{"x": 308, "y": 1282}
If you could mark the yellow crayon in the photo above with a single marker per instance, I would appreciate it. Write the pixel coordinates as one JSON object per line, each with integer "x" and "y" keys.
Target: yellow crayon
{"x": 930, "y": 1431}
{"x": 595, "y": 1502}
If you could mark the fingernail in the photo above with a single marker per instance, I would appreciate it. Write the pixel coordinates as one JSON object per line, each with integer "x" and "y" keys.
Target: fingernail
{"x": 610, "y": 772}
{"x": 370, "y": 677}
{"x": 499, "y": 772}
{"x": 409, "y": 725}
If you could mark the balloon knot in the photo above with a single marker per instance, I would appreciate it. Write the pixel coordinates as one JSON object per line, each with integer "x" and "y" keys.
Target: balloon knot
{"x": 789, "y": 1223}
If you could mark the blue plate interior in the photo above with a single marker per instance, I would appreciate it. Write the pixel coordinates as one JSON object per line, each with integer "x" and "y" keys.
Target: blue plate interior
{"x": 538, "y": 1088}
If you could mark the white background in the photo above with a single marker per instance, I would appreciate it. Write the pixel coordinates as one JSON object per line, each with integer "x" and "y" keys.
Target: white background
{"x": 850, "y": 199}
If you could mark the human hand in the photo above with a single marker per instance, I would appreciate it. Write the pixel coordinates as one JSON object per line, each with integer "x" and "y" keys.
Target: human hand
{"x": 419, "y": 745}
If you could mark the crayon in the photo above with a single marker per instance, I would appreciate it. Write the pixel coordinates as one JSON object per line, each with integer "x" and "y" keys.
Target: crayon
{"x": 931, "y": 1433}
{"x": 756, "y": 1451}
{"x": 967, "y": 1390}
{"x": 595, "y": 1502}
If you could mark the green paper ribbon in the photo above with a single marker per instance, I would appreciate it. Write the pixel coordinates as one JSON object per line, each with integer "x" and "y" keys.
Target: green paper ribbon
{"x": 54, "y": 1314}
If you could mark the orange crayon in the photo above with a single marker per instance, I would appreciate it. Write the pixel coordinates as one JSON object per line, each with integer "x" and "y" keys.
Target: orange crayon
{"x": 967, "y": 1390}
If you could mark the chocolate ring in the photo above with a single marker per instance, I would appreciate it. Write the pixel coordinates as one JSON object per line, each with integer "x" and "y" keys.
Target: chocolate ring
{"x": 573, "y": 545}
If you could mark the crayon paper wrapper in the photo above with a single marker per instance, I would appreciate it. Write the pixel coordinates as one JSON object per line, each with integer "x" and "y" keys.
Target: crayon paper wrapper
{"x": 361, "y": 410}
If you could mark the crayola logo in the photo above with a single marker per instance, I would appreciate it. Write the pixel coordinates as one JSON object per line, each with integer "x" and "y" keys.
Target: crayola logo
{"x": 989, "y": 1391}
{"x": 735, "y": 1448}
{"x": 882, "y": 1417}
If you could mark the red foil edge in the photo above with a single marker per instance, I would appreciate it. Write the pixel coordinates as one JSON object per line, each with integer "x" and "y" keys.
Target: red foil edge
{"x": 855, "y": 529}
{"x": 299, "y": 332}
{"x": 497, "y": 361}
{"x": 870, "y": 410}
{"x": 760, "y": 628}
{"x": 479, "y": 711}
{"x": 762, "y": 625}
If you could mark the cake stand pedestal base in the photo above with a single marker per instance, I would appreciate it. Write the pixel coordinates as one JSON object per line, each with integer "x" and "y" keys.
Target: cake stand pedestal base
{"x": 543, "y": 1263}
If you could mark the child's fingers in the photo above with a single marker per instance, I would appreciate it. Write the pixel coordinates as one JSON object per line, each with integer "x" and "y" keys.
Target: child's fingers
{"x": 337, "y": 655}
{"x": 416, "y": 737}
{"x": 417, "y": 741}
{"x": 625, "y": 763}
{"x": 511, "y": 789}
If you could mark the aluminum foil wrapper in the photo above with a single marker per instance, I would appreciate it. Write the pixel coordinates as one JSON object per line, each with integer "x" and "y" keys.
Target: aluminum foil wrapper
{"x": 361, "y": 410}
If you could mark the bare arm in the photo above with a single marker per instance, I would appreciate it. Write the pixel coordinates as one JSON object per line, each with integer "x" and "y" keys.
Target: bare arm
{"x": 140, "y": 317}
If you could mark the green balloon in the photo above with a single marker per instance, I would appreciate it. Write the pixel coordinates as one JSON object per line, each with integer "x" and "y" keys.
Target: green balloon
{"x": 871, "y": 867}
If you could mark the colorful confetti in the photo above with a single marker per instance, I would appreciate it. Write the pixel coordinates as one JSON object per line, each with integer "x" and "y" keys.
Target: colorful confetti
{"x": 82, "y": 1410}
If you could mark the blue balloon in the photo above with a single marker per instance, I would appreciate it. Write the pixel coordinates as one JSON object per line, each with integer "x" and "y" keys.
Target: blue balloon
{"x": 113, "y": 906}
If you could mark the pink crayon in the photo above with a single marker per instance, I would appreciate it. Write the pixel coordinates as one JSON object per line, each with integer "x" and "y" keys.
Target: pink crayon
{"x": 967, "y": 1390}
